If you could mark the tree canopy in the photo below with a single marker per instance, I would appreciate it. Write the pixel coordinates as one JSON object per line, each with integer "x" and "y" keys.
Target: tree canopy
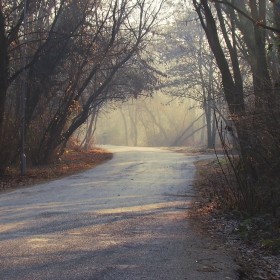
{"x": 79, "y": 54}
{"x": 67, "y": 59}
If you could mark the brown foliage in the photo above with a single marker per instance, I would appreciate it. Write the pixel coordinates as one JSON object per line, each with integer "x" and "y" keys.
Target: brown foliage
{"x": 245, "y": 236}
{"x": 72, "y": 161}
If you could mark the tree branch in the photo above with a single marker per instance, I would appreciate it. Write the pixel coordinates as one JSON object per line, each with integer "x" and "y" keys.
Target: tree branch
{"x": 257, "y": 23}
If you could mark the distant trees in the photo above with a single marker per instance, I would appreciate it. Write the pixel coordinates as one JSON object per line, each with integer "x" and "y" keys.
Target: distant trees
{"x": 80, "y": 54}
{"x": 151, "y": 121}
{"x": 180, "y": 50}
{"x": 192, "y": 71}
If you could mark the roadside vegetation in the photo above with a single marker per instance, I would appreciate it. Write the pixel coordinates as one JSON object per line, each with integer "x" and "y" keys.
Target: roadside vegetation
{"x": 253, "y": 239}
{"x": 74, "y": 160}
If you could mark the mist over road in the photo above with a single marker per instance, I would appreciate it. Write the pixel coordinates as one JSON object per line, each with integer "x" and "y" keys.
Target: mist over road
{"x": 124, "y": 220}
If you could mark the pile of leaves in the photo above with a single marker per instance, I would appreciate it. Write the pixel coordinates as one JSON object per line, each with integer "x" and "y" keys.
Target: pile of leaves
{"x": 72, "y": 161}
{"x": 255, "y": 241}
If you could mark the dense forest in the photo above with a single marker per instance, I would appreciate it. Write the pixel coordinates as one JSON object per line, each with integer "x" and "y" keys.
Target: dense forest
{"x": 184, "y": 71}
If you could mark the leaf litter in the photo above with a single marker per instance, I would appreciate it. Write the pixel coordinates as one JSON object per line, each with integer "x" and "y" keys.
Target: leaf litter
{"x": 71, "y": 162}
{"x": 256, "y": 261}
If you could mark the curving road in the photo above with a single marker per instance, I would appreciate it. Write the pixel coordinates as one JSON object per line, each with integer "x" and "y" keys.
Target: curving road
{"x": 124, "y": 220}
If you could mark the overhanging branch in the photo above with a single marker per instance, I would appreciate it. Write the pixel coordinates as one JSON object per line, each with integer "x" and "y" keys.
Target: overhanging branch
{"x": 257, "y": 23}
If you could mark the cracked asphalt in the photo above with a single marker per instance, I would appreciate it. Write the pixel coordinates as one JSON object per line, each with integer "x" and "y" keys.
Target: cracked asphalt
{"x": 124, "y": 220}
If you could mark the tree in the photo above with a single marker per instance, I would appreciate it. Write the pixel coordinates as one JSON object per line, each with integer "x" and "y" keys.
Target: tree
{"x": 191, "y": 68}
{"x": 78, "y": 53}
{"x": 4, "y": 72}
{"x": 254, "y": 109}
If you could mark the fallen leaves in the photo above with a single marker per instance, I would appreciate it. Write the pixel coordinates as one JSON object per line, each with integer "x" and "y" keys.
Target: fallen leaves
{"x": 256, "y": 261}
{"x": 71, "y": 162}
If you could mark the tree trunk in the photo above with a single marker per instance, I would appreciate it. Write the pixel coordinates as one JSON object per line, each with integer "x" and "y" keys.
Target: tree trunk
{"x": 193, "y": 133}
{"x": 4, "y": 62}
{"x": 125, "y": 128}
{"x": 135, "y": 128}
{"x": 160, "y": 127}
{"x": 179, "y": 140}
{"x": 231, "y": 87}
{"x": 89, "y": 131}
{"x": 230, "y": 90}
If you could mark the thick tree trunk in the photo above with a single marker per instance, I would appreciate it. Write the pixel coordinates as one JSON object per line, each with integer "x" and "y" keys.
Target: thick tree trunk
{"x": 4, "y": 62}
{"x": 231, "y": 87}
{"x": 4, "y": 72}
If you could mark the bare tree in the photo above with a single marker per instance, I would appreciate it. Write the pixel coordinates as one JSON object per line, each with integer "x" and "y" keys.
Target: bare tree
{"x": 78, "y": 53}
{"x": 254, "y": 109}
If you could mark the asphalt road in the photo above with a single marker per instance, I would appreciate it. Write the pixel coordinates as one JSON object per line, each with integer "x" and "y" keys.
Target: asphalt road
{"x": 124, "y": 220}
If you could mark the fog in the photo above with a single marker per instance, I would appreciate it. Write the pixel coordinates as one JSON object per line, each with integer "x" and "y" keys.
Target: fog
{"x": 150, "y": 121}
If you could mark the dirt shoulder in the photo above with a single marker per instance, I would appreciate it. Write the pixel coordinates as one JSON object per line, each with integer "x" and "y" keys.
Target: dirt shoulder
{"x": 73, "y": 161}
{"x": 225, "y": 229}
